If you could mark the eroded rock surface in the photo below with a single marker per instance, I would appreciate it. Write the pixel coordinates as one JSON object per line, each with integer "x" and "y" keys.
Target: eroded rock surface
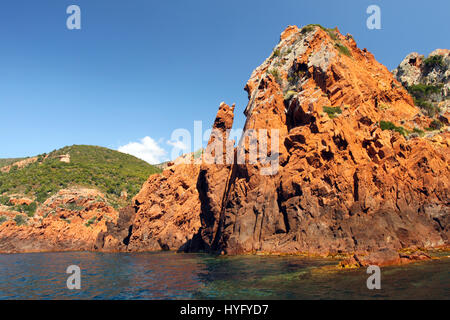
{"x": 71, "y": 220}
{"x": 351, "y": 177}
{"x": 345, "y": 183}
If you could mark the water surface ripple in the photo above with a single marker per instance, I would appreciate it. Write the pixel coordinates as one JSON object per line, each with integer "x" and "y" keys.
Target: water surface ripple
{"x": 166, "y": 275}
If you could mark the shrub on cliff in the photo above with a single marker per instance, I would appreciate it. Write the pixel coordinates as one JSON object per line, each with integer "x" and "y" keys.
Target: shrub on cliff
{"x": 419, "y": 132}
{"x": 332, "y": 112}
{"x": 276, "y": 53}
{"x": 343, "y": 49}
{"x": 5, "y": 200}
{"x": 90, "y": 221}
{"x": 435, "y": 125}
{"x": 428, "y": 108}
{"x": 434, "y": 61}
{"x": 424, "y": 90}
{"x": 29, "y": 210}
{"x": 274, "y": 72}
{"x": 387, "y": 125}
{"x": 20, "y": 220}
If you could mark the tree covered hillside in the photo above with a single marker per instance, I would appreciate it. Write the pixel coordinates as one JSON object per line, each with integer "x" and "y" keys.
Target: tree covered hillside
{"x": 109, "y": 171}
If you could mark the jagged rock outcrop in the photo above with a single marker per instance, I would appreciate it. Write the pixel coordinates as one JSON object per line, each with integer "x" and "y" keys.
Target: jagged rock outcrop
{"x": 350, "y": 179}
{"x": 167, "y": 210}
{"x": 435, "y": 69}
{"x": 428, "y": 81}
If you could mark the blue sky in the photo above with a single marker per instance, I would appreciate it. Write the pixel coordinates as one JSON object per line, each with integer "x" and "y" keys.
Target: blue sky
{"x": 141, "y": 69}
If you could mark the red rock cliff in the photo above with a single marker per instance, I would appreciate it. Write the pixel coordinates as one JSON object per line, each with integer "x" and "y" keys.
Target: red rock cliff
{"x": 351, "y": 178}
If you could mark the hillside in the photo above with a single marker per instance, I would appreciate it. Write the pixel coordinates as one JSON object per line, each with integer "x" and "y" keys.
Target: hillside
{"x": 7, "y": 161}
{"x": 111, "y": 172}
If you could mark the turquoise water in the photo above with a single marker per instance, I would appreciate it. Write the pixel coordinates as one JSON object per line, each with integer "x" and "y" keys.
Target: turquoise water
{"x": 168, "y": 275}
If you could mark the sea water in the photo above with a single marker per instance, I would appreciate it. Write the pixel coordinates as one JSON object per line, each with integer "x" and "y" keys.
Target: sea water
{"x": 168, "y": 275}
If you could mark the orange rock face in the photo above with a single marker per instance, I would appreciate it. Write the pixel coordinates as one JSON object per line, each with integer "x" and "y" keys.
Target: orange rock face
{"x": 71, "y": 220}
{"x": 349, "y": 179}
{"x": 21, "y": 201}
{"x": 167, "y": 210}
{"x": 343, "y": 184}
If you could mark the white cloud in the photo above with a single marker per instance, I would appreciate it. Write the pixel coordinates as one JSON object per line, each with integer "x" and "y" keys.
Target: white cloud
{"x": 177, "y": 144}
{"x": 146, "y": 149}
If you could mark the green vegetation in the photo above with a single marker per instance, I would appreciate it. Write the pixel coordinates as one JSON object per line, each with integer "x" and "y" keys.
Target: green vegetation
{"x": 2, "y": 219}
{"x": 421, "y": 95}
{"x": 7, "y": 162}
{"x": 434, "y": 61}
{"x": 29, "y": 210}
{"x": 20, "y": 220}
{"x": 435, "y": 125}
{"x": 296, "y": 76}
{"x": 429, "y": 109}
{"x": 387, "y": 125}
{"x": 276, "y": 75}
{"x": 5, "y": 201}
{"x": 90, "y": 221}
{"x": 276, "y": 53}
{"x": 73, "y": 207}
{"x": 424, "y": 90}
{"x": 333, "y": 35}
{"x": 198, "y": 153}
{"x": 311, "y": 27}
{"x": 94, "y": 167}
{"x": 420, "y": 132}
{"x": 332, "y": 112}
{"x": 343, "y": 49}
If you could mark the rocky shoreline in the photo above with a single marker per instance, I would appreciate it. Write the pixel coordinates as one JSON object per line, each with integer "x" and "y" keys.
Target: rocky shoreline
{"x": 354, "y": 178}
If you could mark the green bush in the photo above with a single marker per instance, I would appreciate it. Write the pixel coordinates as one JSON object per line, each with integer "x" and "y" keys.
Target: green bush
{"x": 274, "y": 72}
{"x": 311, "y": 27}
{"x": 30, "y": 209}
{"x": 420, "y": 132}
{"x": 435, "y": 125}
{"x": 332, "y": 112}
{"x": 434, "y": 61}
{"x": 387, "y": 125}
{"x": 276, "y": 53}
{"x": 343, "y": 49}
{"x": 427, "y": 107}
{"x": 5, "y": 200}
{"x": 74, "y": 207}
{"x": 424, "y": 90}
{"x": 2, "y": 219}
{"x": 421, "y": 94}
{"x": 90, "y": 221}
{"x": 20, "y": 220}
